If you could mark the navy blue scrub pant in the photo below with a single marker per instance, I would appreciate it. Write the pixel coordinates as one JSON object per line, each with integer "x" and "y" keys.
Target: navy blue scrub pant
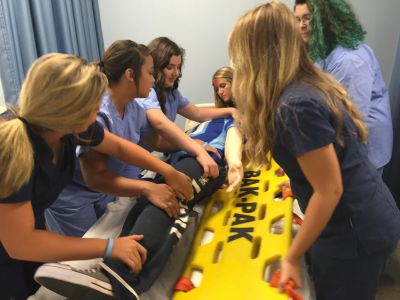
{"x": 353, "y": 278}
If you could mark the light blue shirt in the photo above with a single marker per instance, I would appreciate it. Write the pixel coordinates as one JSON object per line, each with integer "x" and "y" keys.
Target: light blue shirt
{"x": 174, "y": 102}
{"x": 78, "y": 207}
{"x": 128, "y": 128}
{"x": 359, "y": 72}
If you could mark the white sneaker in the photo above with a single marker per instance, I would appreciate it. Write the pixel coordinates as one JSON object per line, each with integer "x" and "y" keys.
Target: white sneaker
{"x": 119, "y": 278}
{"x": 74, "y": 283}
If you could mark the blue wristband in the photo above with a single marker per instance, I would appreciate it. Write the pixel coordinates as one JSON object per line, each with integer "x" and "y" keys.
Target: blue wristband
{"x": 109, "y": 248}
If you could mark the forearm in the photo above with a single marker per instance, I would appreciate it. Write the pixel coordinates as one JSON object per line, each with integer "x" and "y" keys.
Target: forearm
{"x": 57, "y": 247}
{"x": 205, "y": 114}
{"x": 132, "y": 154}
{"x": 233, "y": 146}
{"x": 170, "y": 132}
{"x": 176, "y": 136}
{"x": 326, "y": 182}
{"x": 319, "y": 210}
{"x": 158, "y": 143}
{"x": 112, "y": 184}
{"x": 144, "y": 160}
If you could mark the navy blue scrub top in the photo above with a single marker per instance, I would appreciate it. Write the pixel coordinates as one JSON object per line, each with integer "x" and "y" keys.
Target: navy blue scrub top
{"x": 47, "y": 180}
{"x": 367, "y": 214}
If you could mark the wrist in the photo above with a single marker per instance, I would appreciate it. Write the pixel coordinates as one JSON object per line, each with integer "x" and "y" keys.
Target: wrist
{"x": 292, "y": 258}
{"x": 233, "y": 162}
{"x": 146, "y": 188}
{"x": 167, "y": 171}
{"x": 199, "y": 151}
{"x": 232, "y": 111}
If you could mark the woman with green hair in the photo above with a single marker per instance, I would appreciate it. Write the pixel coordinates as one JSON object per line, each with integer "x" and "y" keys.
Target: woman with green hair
{"x": 334, "y": 40}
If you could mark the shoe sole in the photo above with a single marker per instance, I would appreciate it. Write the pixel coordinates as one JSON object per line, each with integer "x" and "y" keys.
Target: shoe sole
{"x": 72, "y": 284}
{"x": 120, "y": 280}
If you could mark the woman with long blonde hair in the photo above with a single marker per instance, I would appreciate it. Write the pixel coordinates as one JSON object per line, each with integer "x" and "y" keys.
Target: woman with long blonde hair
{"x": 301, "y": 117}
{"x": 57, "y": 111}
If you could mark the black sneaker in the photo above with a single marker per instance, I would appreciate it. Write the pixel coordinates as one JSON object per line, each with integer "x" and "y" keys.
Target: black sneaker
{"x": 74, "y": 283}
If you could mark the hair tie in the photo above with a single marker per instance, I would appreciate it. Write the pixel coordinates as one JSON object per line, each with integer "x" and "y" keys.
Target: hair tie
{"x": 23, "y": 120}
{"x": 101, "y": 64}
{"x": 109, "y": 248}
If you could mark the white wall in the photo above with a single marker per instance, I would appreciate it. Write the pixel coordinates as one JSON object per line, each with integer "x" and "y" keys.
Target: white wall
{"x": 202, "y": 28}
{"x": 380, "y": 20}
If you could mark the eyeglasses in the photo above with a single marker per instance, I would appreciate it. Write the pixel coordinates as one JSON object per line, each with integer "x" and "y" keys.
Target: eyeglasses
{"x": 306, "y": 19}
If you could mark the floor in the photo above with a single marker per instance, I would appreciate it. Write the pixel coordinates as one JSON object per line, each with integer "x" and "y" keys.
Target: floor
{"x": 389, "y": 283}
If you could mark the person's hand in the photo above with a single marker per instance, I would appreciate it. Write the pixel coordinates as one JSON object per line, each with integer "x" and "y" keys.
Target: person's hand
{"x": 163, "y": 196}
{"x": 128, "y": 250}
{"x": 208, "y": 147}
{"x": 234, "y": 113}
{"x": 284, "y": 185}
{"x": 210, "y": 167}
{"x": 290, "y": 269}
{"x": 181, "y": 184}
{"x": 235, "y": 176}
{"x": 205, "y": 160}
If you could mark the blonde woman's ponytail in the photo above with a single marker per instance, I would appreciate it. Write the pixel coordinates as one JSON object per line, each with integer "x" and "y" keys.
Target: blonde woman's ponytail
{"x": 16, "y": 157}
